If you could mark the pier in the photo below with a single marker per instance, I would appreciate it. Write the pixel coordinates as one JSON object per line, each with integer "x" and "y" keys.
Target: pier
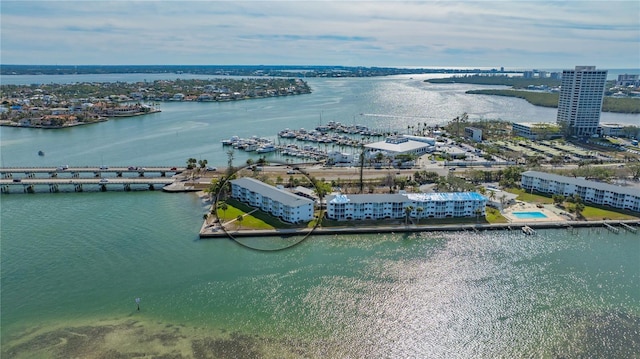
{"x": 612, "y": 228}
{"x": 528, "y": 230}
{"x": 629, "y": 228}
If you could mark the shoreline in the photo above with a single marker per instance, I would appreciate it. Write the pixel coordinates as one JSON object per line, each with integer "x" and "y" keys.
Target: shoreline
{"x": 206, "y": 232}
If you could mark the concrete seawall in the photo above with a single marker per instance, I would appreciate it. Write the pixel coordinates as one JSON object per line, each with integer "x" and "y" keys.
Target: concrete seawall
{"x": 206, "y": 232}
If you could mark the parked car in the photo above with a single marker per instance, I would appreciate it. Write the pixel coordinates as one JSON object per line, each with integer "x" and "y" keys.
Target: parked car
{"x": 104, "y": 180}
{"x": 104, "y": 167}
{"x": 452, "y": 169}
{"x": 17, "y": 180}
{"x": 211, "y": 168}
{"x": 132, "y": 168}
{"x": 173, "y": 168}
{"x": 290, "y": 172}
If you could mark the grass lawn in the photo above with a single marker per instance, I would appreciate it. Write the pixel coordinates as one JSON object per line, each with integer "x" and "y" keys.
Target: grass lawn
{"x": 528, "y": 197}
{"x": 494, "y": 216}
{"x": 255, "y": 220}
{"x": 596, "y": 213}
{"x": 248, "y": 222}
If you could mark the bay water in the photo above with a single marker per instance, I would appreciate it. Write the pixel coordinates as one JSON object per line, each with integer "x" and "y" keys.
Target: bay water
{"x": 73, "y": 263}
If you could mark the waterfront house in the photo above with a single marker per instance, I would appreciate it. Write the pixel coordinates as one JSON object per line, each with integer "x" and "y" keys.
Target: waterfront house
{"x": 278, "y": 202}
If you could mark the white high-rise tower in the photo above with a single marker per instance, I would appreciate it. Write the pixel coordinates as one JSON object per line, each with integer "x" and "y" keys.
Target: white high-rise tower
{"x": 580, "y": 102}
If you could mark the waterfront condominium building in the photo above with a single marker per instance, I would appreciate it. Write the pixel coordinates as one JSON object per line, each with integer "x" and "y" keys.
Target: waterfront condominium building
{"x": 393, "y": 206}
{"x": 589, "y": 191}
{"x": 278, "y": 202}
{"x": 580, "y": 102}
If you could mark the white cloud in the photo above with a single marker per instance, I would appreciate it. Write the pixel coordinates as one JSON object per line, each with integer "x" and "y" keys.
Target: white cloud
{"x": 368, "y": 33}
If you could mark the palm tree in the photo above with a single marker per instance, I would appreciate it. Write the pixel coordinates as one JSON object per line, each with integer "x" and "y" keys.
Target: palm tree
{"x": 477, "y": 212}
{"x": 579, "y": 207}
{"x": 503, "y": 200}
{"x": 239, "y": 219}
{"x": 191, "y": 163}
{"x": 407, "y": 212}
{"x": 419, "y": 210}
{"x": 223, "y": 206}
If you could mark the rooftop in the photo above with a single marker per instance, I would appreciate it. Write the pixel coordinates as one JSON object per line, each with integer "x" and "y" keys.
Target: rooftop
{"x": 403, "y": 147}
{"x": 284, "y": 197}
{"x": 402, "y": 198}
{"x": 578, "y": 181}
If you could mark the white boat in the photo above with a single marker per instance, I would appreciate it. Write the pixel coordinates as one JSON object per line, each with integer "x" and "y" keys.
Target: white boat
{"x": 266, "y": 148}
{"x": 230, "y": 141}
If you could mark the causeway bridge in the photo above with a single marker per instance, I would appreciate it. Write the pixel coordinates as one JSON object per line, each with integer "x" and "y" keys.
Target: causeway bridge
{"x": 97, "y": 171}
{"x": 80, "y": 179}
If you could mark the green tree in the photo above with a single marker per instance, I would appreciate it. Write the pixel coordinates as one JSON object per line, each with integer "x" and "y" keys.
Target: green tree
{"x": 557, "y": 198}
{"x": 191, "y": 163}
{"x": 230, "y": 169}
{"x": 419, "y": 211}
{"x": 379, "y": 157}
{"x": 223, "y": 206}
{"x": 321, "y": 188}
{"x": 239, "y": 219}
{"x": 579, "y": 207}
{"x": 407, "y": 213}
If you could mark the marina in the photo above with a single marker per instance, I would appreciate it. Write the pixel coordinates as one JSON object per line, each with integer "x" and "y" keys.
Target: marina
{"x": 309, "y": 144}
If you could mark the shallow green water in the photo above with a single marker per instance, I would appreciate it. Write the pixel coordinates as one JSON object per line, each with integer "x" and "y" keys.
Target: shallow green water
{"x": 71, "y": 261}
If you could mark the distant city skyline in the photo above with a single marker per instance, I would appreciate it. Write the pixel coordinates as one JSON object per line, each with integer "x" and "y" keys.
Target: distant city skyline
{"x": 493, "y": 34}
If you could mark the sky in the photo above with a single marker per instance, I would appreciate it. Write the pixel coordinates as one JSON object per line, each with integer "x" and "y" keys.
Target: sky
{"x": 513, "y": 34}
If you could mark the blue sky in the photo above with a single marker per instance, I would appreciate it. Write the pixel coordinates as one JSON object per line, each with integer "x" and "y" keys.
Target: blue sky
{"x": 513, "y": 34}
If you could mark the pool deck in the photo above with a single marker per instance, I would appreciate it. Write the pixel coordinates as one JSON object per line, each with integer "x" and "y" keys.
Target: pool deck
{"x": 552, "y": 214}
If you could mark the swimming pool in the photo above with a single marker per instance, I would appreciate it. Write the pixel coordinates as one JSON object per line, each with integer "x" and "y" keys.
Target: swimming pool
{"x": 529, "y": 215}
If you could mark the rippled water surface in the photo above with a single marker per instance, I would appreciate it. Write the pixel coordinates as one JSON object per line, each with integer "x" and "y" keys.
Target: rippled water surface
{"x": 76, "y": 265}
{"x": 73, "y": 263}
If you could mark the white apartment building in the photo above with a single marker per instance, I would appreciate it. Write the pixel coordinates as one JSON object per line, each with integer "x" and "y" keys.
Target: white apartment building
{"x": 392, "y": 206}
{"x": 535, "y": 131}
{"x": 473, "y": 133}
{"x": 612, "y": 129}
{"x": 589, "y": 191}
{"x": 580, "y": 102}
{"x": 278, "y": 202}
